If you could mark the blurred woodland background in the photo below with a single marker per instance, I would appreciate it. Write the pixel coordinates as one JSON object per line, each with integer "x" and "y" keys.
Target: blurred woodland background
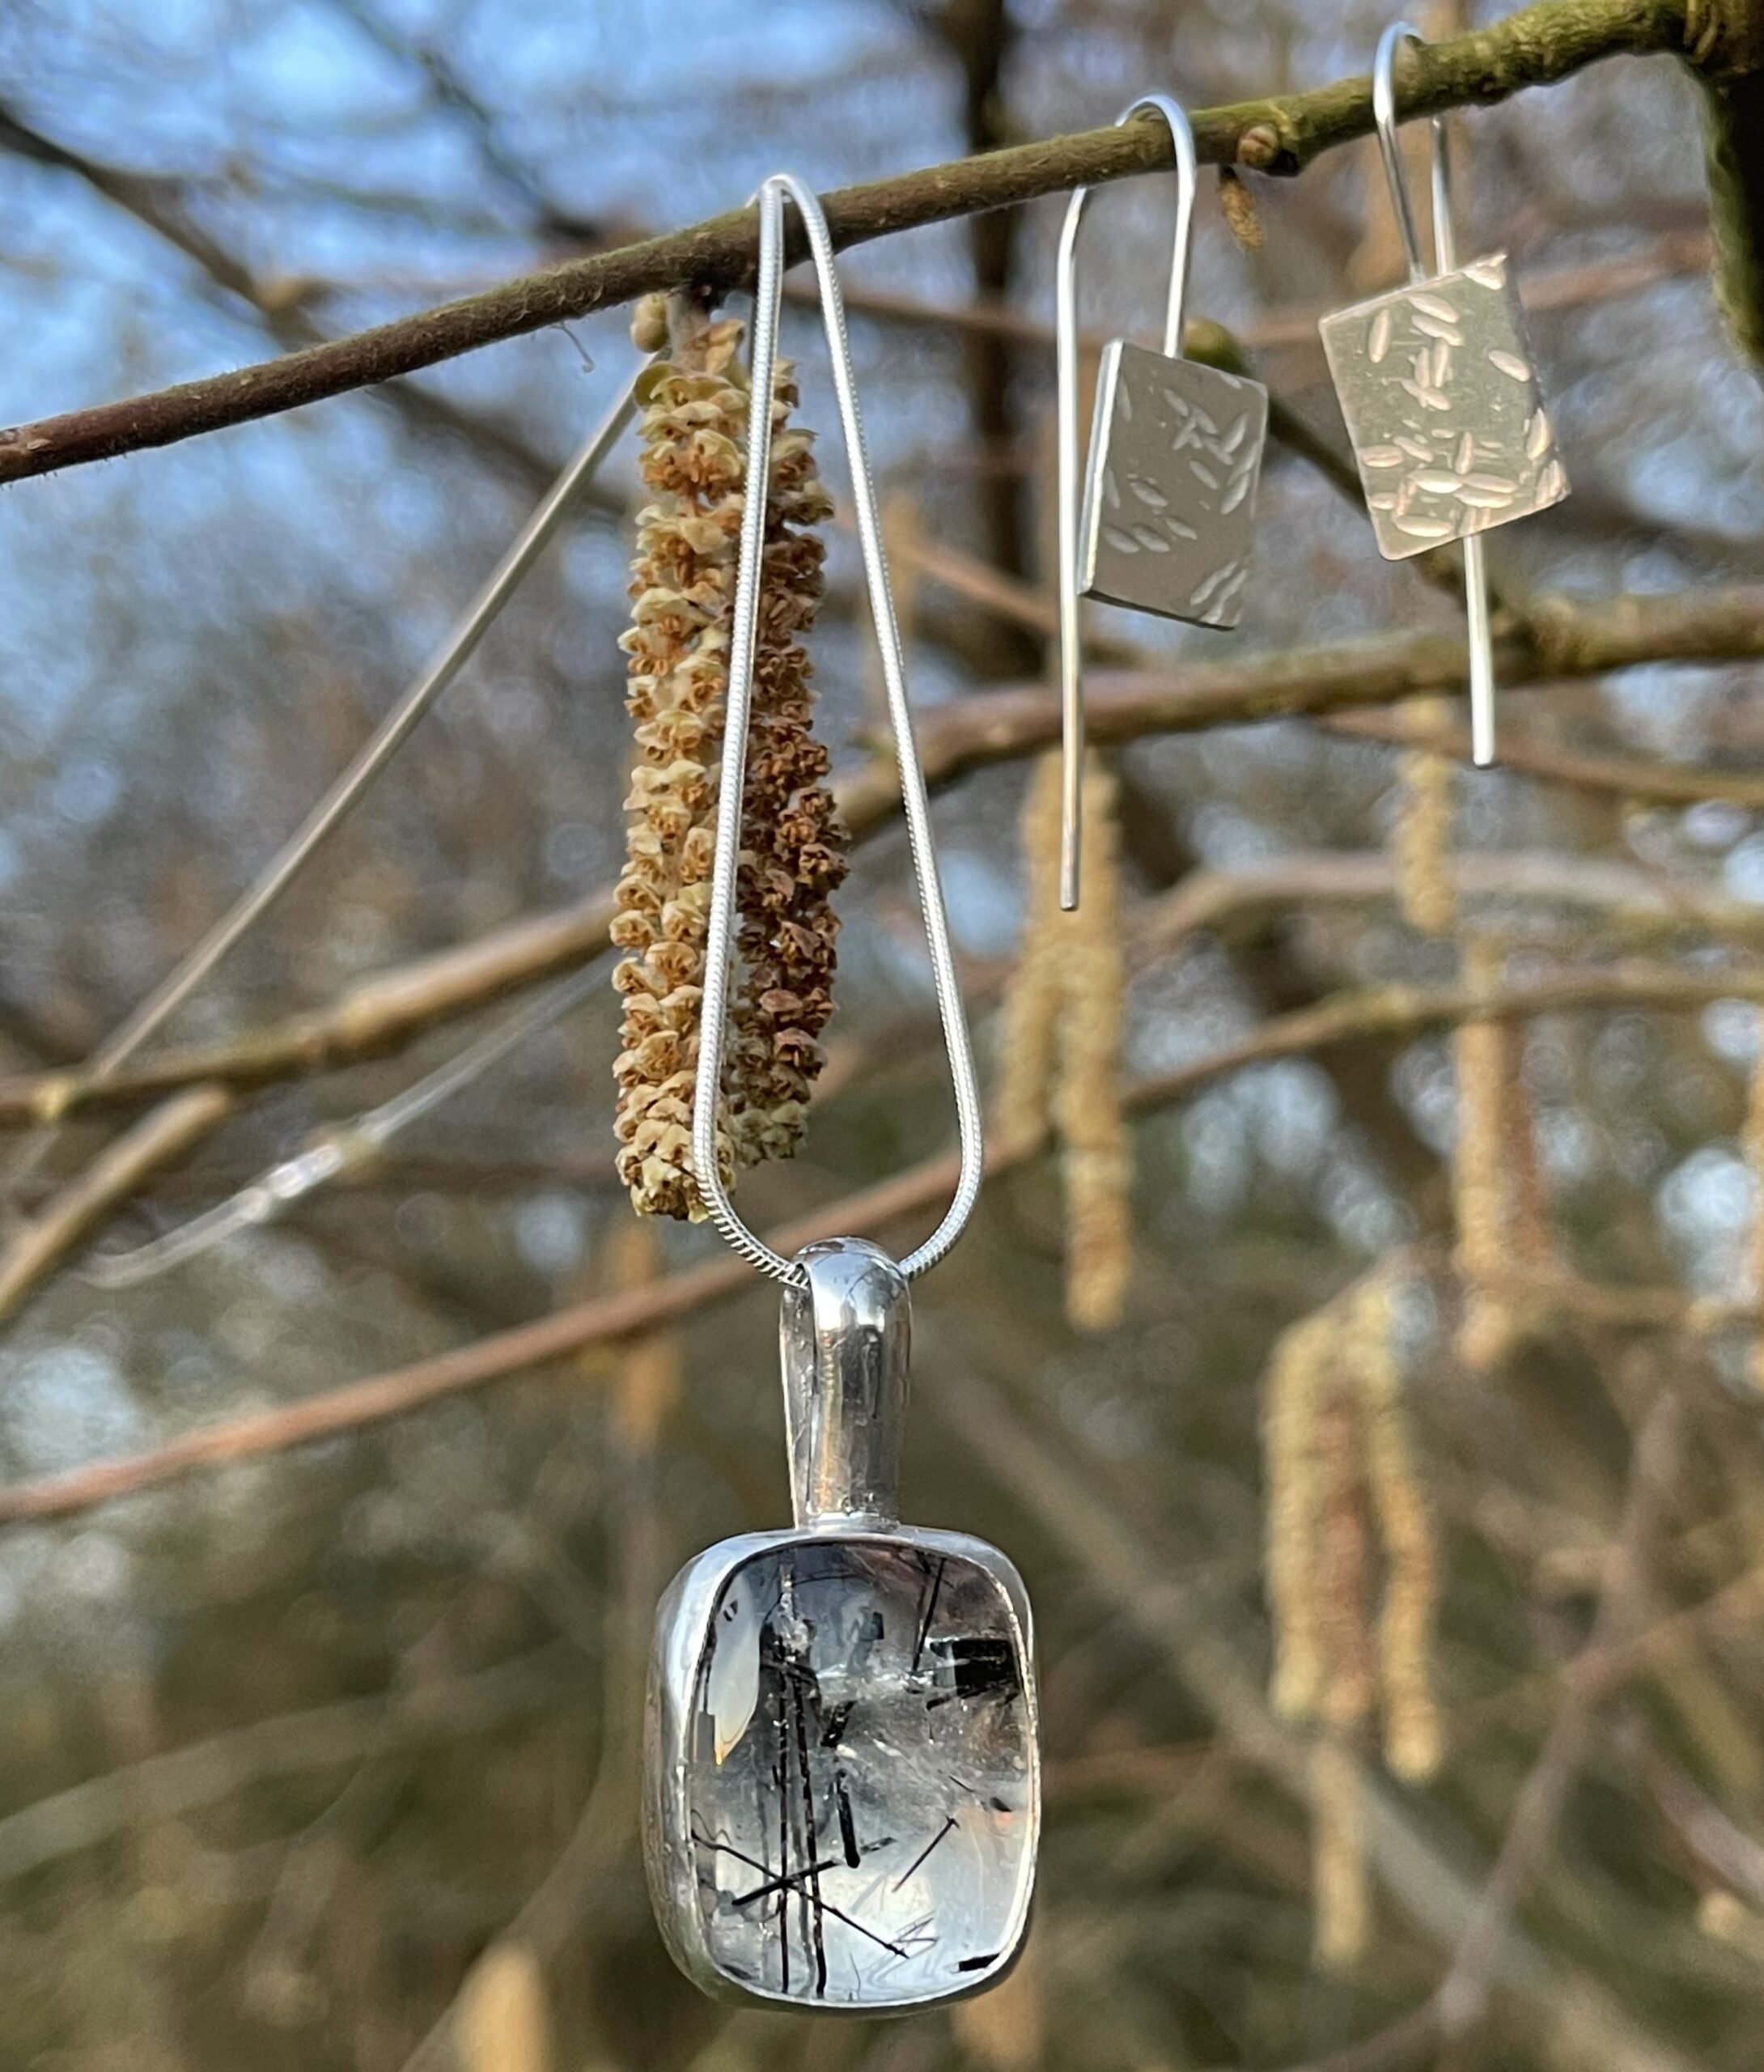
{"x": 1361, "y": 1365}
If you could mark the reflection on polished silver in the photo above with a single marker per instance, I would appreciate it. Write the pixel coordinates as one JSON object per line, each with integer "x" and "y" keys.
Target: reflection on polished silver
{"x": 1169, "y": 505}
{"x": 720, "y": 924}
{"x": 845, "y": 1339}
{"x": 843, "y": 1798}
{"x": 1442, "y": 404}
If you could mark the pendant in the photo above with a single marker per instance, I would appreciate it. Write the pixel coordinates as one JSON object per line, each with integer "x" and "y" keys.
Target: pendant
{"x": 1441, "y": 398}
{"x": 843, "y": 1791}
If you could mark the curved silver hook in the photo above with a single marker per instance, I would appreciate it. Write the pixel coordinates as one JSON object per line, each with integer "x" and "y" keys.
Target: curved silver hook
{"x": 1385, "y": 115}
{"x": 1476, "y": 605}
{"x": 714, "y": 1014}
{"x": 1066, "y": 349}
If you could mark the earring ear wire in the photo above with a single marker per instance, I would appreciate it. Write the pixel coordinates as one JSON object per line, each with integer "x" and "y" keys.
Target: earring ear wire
{"x": 1465, "y": 445}
{"x": 1167, "y": 513}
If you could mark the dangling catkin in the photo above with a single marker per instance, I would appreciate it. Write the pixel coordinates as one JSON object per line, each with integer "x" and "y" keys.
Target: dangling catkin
{"x": 1340, "y": 1473}
{"x": 1061, "y": 1043}
{"x": 1407, "y": 1617}
{"x": 1421, "y": 839}
{"x": 1342, "y": 1549}
{"x": 502, "y": 2023}
{"x": 683, "y": 585}
{"x": 1293, "y": 1476}
{"x": 1096, "y": 1158}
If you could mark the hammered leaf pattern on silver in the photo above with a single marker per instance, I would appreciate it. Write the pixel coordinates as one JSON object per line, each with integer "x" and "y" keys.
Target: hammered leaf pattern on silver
{"x": 1170, "y": 506}
{"x": 1441, "y": 398}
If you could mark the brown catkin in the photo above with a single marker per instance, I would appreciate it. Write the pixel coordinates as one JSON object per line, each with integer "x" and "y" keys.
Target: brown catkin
{"x": 1421, "y": 838}
{"x": 1237, "y": 205}
{"x": 793, "y": 843}
{"x": 1340, "y": 1474}
{"x": 1293, "y": 1475}
{"x": 1341, "y": 1895}
{"x": 1342, "y": 1541}
{"x": 694, "y": 430}
{"x": 1406, "y": 1620}
{"x": 502, "y": 2022}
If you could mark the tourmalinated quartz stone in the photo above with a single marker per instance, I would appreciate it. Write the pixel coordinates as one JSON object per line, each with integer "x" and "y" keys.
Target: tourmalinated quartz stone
{"x": 1442, "y": 402}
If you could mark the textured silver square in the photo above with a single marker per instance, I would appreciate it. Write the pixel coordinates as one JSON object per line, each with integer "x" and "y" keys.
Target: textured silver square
{"x": 1442, "y": 403}
{"x": 1170, "y": 511}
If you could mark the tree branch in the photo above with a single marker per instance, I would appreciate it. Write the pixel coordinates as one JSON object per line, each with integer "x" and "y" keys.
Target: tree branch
{"x": 324, "y": 1736}
{"x": 1464, "y": 1994}
{"x": 1557, "y": 638}
{"x": 161, "y": 1136}
{"x": 1535, "y": 47}
{"x": 1726, "y": 40}
{"x": 161, "y": 205}
{"x": 1377, "y": 1011}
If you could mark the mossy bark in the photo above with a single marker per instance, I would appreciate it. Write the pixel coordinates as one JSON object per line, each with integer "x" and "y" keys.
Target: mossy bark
{"x": 1724, "y": 40}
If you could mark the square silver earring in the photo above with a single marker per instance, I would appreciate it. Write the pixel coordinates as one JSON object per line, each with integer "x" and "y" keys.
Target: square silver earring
{"x": 1168, "y": 509}
{"x": 1439, "y": 392}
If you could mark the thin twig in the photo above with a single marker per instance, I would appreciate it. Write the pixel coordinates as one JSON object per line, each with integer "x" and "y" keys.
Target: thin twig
{"x": 1648, "y": 783}
{"x": 324, "y": 1736}
{"x": 1538, "y": 46}
{"x": 1386, "y": 1010}
{"x": 1558, "y": 639}
{"x": 158, "y": 1139}
{"x": 1463, "y": 1996}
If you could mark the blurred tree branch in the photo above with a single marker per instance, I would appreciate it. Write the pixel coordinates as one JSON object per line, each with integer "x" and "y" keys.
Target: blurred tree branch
{"x": 1426, "y": 1884}
{"x": 158, "y": 1139}
{"x": 1463, "y": 1996}
{"x": 1535, "y": 47}
{"x": 162, "y": 205}
{"x": 1557, "y": 639}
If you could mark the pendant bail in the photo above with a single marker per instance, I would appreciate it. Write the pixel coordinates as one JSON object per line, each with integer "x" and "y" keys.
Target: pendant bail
{"x": 845, "y": 1337}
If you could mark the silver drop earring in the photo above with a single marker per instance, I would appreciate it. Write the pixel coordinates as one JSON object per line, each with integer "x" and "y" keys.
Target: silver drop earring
{"x": 842, "y": 1795}
{"x": 1440, "y": 395}
{"x": 1168, "y": 520}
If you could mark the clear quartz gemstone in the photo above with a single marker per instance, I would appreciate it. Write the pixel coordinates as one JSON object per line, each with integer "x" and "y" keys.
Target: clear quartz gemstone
{"x": 860, "y": 1774}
